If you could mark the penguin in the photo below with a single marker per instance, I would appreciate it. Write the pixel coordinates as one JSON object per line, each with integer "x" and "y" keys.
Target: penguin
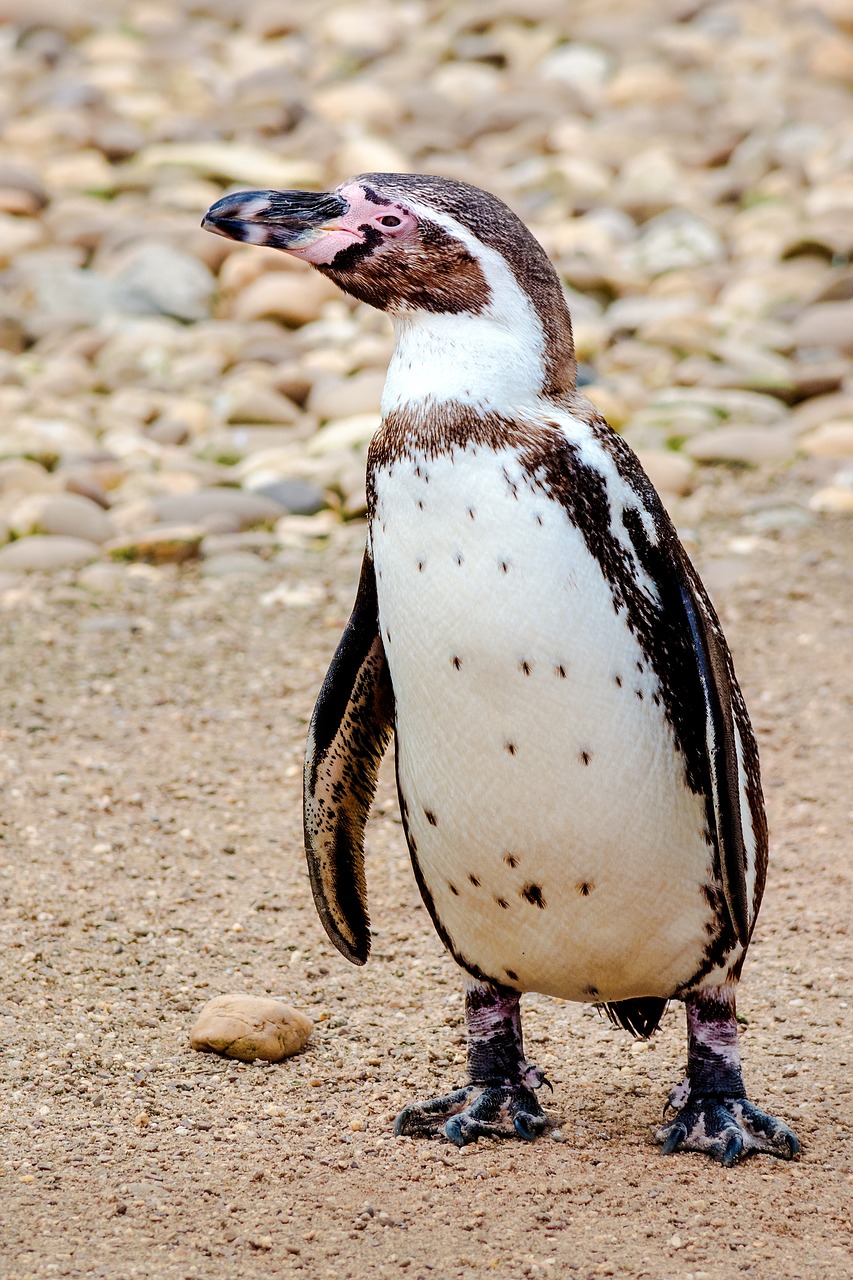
{"x": 577, "y": 775}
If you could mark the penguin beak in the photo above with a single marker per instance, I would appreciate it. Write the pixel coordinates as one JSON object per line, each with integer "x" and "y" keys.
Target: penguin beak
{"x": 290, "y": 220}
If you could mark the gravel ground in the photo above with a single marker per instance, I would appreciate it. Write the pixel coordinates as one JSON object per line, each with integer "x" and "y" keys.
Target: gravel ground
{"x": 151, "y": 749}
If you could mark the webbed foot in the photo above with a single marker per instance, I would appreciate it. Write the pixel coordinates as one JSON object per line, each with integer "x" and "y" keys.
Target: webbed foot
{"x": 728, "y": 1130}
{"x": 477, "y": 1111}
{"x": 713, "y": 1113}
{"x": 500, "y": 1101}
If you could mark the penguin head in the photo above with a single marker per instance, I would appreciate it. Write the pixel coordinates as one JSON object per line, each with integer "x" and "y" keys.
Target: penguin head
{"x": 414, "y": 245}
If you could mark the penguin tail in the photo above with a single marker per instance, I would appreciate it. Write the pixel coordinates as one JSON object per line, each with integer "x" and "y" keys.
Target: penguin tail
{"x": 641, "y": 1017}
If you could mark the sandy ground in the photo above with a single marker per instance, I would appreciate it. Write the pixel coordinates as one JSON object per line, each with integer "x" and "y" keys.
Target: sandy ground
{"x": 151, "y": 857}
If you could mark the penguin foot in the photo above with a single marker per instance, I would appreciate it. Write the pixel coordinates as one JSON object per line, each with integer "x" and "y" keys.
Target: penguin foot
{"x": 726, "y": 1129}
{"x": 477, "y": 1111}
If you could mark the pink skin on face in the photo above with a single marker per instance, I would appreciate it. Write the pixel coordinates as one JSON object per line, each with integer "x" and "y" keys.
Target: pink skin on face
{"x": 392, "y": 220}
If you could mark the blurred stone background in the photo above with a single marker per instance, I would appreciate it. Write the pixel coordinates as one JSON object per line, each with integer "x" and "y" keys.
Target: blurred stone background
{"x": 167, "y": 395}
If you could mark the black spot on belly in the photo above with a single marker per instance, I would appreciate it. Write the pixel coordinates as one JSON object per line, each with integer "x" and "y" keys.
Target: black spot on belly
{"x": 420, "y": 566}
{"x": 502, "y": 903}
{"x": 504, "y": 567}
{"x": 420, "y": 505}
{"x": 457, "y": 662}
{"x": 510, "y": 747}
{"x": 539, "y": 520}
{"x": 560, "y": 671}
{"x": 413, "y": 844}
{"x": 640, "y": 666}
{"x": 475, "y": 882}
{"x": 617, "y": 680}
{"x": 525, "y": 667}
{"x": 471, "y": 512}
{"x": 591, "y": 991}
{"x": 430, "y": 817}
{"x": 510, "y": 973}
{"x": 532, "y": 893}
{"x": 656, "y": 699}
{"x": 585, "y": 757}
{"x": 639, "y": 694}
{"x": 387, "y": 635}
{"x": 511, "y": 860}
{"x": 453, "y": 889}
{"x": 584, "y": 888}
{"x": 458, "y": 557}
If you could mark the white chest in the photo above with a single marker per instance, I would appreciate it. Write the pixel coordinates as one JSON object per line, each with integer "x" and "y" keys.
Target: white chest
{"x": 546, "y": 800}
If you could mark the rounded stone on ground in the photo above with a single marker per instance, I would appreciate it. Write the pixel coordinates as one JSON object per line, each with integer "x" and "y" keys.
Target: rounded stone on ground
{"x": 166, "y": 544}
{"x": 101, "y": 579}
{"x": 748, "y": 445}
{"x": 67, "y": 514}
{"x": 332, "y": 397}
{"x": 831, "y": 440}
{"x": 298, "y": 497}
{"x": 347, "y": 433}
{"x": 293, "y": 298}
{"x": 834, "y": 499}
{"x": 194, "y": 508}
{"x": 21, "y": 476}
{"x": 250, "y": 1027}
{"x": 669, "y": 472}
{"x": 46, "y": 552}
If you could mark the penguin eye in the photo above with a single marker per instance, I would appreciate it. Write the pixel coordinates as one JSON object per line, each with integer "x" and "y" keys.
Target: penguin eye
{"x": 390, "y": 220}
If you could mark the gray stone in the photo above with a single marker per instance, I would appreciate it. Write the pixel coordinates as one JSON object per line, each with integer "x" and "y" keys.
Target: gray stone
{"x": 193, "y": 508}
{"x": 157, "y": 279}
{"x": 299, "y": 497}
{"x": 44, "y": 553}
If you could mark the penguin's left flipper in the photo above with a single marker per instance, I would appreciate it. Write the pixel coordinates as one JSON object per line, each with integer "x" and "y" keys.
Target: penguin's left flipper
{"x": 477, "y": 1111}
{"x": 351, "y": 727}
{"x": 728, "y": 1130}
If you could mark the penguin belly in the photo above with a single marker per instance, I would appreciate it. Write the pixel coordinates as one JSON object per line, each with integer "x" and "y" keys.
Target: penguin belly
{"x": 557, "y": 843}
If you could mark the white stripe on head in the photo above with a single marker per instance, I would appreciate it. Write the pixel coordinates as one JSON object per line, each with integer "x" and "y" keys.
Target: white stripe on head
{"x": 493, "y": 361}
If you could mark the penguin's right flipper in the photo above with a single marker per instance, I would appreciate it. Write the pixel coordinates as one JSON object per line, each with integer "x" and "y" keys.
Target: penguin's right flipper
{"x": 350, "y": 729}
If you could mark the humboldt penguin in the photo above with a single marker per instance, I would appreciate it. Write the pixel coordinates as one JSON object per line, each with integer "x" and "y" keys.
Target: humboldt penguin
{"x": 577, "y": 774}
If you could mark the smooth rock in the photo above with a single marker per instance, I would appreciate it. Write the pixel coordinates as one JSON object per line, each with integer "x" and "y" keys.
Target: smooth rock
{"x": 834, "y": 499}
{"x": 298, "y": 497}
{"x": 749, "y": 445}
{"x": 668, "y": 471}
{"x": 193, "y": 508}
{"x": 246, "y": 400}
{"x": 45, "y": 553}
{"x": 294, "y": 299}
{"x": 20, "y": 476}
{"x": 349, "y": 433}
{"x": 831, "y": 440}
{"x": 67, "y": 514}
{"x": 166, "y": 544}
{"x": 101, "y": 579}
{"x": 672, "y": 241}
{"x": 250, "y": 1027}
{"x": 157, "y": 279}
{"x": 345, "y": 397}
{"x": 258, "y": 167}
{"x": 827, "y": 324}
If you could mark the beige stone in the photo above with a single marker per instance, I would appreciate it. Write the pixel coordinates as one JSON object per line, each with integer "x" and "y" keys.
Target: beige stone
{"x": 67, "y": 514}
{"x": 332, "y": 397}
{"x": 749, "y": 445}
{"x": 250, "y": 400}
{"x": 831, "y": 440}
{"x": 669, "y": 472}
{"x": 250, "y": 1027}
{"x": 293, "y": 298}
{"x": 834, "y": 499}
{"x": 44, "y": 553}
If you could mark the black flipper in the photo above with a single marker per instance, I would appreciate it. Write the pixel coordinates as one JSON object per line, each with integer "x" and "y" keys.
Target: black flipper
{"x": 350, "y": 729}
{"x": 718, "y": 688}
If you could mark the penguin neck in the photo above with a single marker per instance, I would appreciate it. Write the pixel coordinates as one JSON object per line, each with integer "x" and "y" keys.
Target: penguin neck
{"x": 470, "y": 360}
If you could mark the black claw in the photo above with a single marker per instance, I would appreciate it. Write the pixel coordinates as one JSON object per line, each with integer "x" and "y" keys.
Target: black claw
{"x": 478, "y": 1111}
{"x": 726, "y": 1129}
